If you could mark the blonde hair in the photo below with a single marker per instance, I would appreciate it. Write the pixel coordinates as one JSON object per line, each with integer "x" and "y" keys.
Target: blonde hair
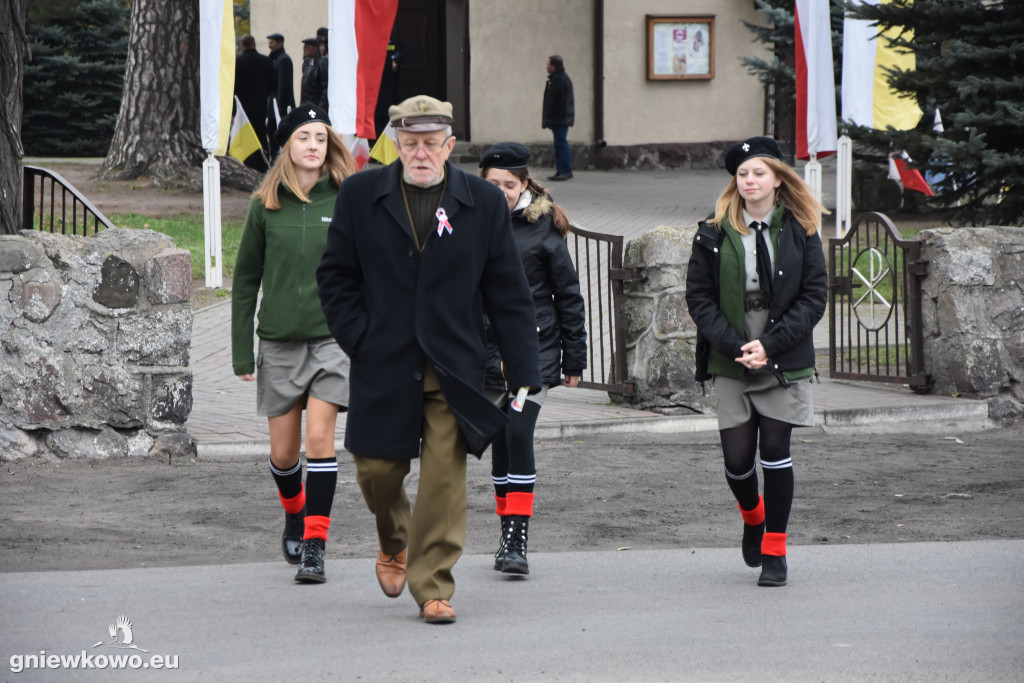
{"x": 558, "y": 215}
{"x": 338, "y": 163}
{"x": 793, "y": 194}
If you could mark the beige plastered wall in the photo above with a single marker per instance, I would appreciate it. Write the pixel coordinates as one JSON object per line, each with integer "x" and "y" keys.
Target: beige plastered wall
{"x": 510, "y": 43}
{"x": 295, "y": 20}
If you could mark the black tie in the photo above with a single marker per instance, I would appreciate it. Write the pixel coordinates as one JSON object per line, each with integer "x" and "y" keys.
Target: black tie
{"x": 764, "y": 261}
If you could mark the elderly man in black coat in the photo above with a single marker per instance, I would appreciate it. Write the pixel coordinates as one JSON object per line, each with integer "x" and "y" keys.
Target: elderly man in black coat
{"x": 417, "y": 253}
{"x": 254, "y": 83}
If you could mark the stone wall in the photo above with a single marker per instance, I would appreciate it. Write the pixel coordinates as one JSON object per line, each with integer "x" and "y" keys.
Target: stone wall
{"x": 94, "y": 359}
{"x": 973, "y": 314}
{"x": 973, "y": 319}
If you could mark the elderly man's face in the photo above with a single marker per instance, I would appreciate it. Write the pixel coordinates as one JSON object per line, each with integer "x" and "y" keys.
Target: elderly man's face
{"x": 309, "y": 50}
{"x": 423, "y": 155}
{"x": 274, "y": 44}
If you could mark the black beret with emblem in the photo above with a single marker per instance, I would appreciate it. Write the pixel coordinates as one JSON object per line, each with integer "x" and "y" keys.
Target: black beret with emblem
{"x": 506, "y": 155}
{"x": 299, "y": 116}
{"x": 751, "y": 147}
{"x": 421, "y": 114}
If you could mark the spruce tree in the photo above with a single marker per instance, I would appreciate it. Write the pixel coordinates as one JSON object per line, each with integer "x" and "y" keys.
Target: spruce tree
{"x": 970, "y": 67}
{"x": 72, "y": 87}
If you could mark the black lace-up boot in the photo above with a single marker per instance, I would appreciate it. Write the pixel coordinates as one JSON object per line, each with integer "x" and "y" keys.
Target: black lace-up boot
{"x": 311, "y": 569}
{"x": 291, "y": 539}
{"x": 499, "y": 557}
{"x": 515, "y": 543}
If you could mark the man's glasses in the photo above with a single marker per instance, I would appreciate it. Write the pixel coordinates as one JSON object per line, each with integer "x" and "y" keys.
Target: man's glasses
{"x": 430, "y": 146}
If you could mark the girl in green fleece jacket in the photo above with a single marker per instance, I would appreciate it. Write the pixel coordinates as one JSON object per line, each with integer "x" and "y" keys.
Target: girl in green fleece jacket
{"x": 298, "y": 365}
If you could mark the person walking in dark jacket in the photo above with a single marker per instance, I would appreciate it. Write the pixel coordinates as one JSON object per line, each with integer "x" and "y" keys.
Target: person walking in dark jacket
{"x": 559, "y": 115}
{"x": 299, "y": 368}
{"x": 314, "y": 74}
{"x": 254, "y": 83}
{"x": 539, "y": 226}
{"x": 755, "y": 287}
{"x": 417, "y": 253}
{"x": 282, "y": 100}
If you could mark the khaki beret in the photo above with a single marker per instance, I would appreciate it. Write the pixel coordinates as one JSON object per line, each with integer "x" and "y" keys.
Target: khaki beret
{"x": 421, "y": 114}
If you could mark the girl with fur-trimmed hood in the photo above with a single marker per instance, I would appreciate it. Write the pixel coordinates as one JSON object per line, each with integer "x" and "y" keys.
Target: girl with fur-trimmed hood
{"x": 539, "y": 226}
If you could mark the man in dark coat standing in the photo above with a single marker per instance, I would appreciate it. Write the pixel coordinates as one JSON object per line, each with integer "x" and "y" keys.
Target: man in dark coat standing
{"x": 254, "y": 83}
{"x": 314, "y": 74}
{"x": 559, "y": 115}
{"x": 417, "y": 252}
{"x": 282, "y": 100}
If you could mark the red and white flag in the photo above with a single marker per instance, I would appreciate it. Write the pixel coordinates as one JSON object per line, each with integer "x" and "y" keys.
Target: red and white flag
{"x": 910, "y": 177}
{"x": 815, "y": 81}
{"x": 358, "y": 40}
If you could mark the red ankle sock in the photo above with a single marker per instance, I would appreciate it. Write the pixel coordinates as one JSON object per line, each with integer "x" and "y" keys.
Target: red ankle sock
{"x": 316, "y": 527}
{"x": 519, "y": 503}
{"x": 774, "y": 544}
{"x": 499, "y": 505}
{"x": 754, "y": 517}
{"x": 294, "y": 505}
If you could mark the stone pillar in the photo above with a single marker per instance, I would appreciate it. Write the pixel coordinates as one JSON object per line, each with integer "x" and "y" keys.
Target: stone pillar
{"x": 96, "y": 333}
{"x": 973, "y": 314}
{"x": 660, "y": 336}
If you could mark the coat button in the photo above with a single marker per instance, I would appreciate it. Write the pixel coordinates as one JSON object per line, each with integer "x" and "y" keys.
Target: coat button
{"x": 418, "y": 376}
{"x": 411, "y": 253}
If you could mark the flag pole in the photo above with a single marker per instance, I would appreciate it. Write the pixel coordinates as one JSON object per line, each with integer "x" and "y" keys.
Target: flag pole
{"x": 844, "y": 184}
{"x": 211, "y": 221}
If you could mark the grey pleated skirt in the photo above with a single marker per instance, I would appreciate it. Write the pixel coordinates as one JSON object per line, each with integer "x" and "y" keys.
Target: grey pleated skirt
{"x": 760, "y": 391}
{"x": 290, "y": 370}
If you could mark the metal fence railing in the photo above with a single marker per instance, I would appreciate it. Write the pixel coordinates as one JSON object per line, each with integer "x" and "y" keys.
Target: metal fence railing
{"x": 51, "y": 204}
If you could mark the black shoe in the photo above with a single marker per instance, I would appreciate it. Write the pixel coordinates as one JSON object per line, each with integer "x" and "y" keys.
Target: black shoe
{"x": 312, "y": 567}
{"x": 752, "y": 536}
{"x": 291, "y": 539}
{"x": 515, "y": 542}
{"x": 773, "y": 571}
{"x": 560, "y": 176}
{"x": 499, "y": 557}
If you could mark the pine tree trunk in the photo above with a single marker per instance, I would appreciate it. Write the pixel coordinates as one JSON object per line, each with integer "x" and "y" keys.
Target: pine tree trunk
{"x": 157, "y": 131}
{"x": 13, "y": 51}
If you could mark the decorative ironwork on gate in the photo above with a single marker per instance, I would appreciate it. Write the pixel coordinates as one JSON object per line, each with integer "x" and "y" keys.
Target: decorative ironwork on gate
{"x": 598, "y": 259}
{"x": 875, "y": 305}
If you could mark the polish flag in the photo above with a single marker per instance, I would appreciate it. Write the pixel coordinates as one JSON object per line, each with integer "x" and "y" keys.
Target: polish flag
{"x": 910, "y": 177}
{"x": 358, "y": 40}
{"x": 867, "y": 98}
{"x": 815, "y": 81}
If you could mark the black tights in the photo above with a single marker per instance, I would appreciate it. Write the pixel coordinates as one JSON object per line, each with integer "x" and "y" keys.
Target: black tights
{"x": 739, "y": 445}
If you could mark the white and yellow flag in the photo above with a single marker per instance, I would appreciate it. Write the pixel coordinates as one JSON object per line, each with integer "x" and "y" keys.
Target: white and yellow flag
{"x": 243, "y": 140}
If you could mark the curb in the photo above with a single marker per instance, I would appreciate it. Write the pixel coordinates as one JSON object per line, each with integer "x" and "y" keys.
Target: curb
{"x": 971, "y": 415}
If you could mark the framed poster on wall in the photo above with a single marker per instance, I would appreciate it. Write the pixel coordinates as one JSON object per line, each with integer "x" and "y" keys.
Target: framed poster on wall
{"x": 680, "y": 47}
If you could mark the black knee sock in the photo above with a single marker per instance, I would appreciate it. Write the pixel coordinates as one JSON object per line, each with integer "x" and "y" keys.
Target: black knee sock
{"x": 778, "y": 495}
{"x": 289, "y": 482}
{"x": 321, "y": 480}
{"x": 744, "y": 488}
{"x": 499, "y": 466}
{"x": 522, "y": 466}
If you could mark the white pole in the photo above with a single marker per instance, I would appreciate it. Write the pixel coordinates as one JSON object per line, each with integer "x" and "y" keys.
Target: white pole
{"x": 812, "y": 175}
{"x": 211, "y": 221}
{"x": 844, "y": 184}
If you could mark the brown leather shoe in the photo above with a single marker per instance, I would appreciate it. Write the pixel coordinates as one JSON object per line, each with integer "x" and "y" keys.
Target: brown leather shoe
{"x": 391, "y": 573}
{"x": 437, "y": 612}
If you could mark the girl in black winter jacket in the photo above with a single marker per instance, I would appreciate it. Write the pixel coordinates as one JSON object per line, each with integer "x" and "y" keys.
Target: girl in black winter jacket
{"x": 539, "y": 226}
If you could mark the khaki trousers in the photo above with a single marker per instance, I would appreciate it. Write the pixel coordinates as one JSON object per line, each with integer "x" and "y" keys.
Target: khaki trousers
{"x": 435, "y": 531}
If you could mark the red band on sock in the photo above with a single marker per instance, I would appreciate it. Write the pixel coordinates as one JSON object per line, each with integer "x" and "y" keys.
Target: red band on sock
{"x": 774, "y": 544}
{"x": 293, "y": 506}
{"x": 754, "y": 517}
{"x": 499, "y": 505}
{"x": 519, "y": 503}
{"x": 316, "y": 527}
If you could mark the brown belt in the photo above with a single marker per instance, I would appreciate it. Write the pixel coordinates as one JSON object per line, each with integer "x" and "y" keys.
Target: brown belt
{"x": 758, "y": 304}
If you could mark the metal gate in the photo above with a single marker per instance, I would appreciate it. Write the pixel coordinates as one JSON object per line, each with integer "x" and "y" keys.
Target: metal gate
{"x": 875, "y": 305}
{"x": 598, "y": 259}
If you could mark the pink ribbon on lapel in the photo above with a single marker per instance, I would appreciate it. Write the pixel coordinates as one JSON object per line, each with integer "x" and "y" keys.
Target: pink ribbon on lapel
{"x": 442, "y": 222}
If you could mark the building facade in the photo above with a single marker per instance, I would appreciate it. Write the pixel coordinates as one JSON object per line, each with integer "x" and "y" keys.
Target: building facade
{"x": 488, "y": 58}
